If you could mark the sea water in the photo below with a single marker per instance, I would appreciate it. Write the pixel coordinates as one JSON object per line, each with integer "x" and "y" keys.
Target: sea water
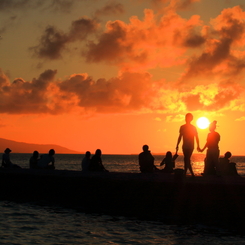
{"x": 122, "y": 163}
{"x": 35, "y": 223}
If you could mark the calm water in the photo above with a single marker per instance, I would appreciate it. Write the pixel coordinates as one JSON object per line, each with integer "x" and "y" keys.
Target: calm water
{"x": 34, "y": 224}
{"x": 31, "y": 223}
{"x": 122, "y": 163}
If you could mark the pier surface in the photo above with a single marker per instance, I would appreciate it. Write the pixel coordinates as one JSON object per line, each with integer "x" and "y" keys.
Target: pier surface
{"x": 173, "y": 199}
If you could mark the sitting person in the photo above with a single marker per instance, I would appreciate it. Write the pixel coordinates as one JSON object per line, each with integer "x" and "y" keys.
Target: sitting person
{"x": 146, "y": 161}
{"x": 96, "y": 162}
{"x": 34, "y": 160}
{"x": 169, "y": 162}
{"x": 45, "y": 159}
{"x": 225, "y": 167}
{"x": 6, "y": 163}
{"x": 86, "y": 161}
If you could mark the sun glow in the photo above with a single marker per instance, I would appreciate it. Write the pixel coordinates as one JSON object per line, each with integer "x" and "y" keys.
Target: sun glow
{"x": 202, "y": 122}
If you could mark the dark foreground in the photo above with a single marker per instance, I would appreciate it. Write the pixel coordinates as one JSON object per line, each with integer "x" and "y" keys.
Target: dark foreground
{"x": 208, "y": 200}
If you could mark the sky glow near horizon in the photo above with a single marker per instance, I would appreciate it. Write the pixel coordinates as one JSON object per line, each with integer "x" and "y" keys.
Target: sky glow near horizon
{"x": 116, "y": 75}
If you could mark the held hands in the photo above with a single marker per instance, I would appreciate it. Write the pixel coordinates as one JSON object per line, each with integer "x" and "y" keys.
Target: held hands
{"x": 199, "y": 149}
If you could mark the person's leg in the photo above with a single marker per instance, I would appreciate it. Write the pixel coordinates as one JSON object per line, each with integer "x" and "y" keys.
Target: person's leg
{"x": 187, "y": 160}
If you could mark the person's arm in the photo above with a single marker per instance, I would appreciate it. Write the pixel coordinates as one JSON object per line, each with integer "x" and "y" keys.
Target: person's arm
{"x": 201, "y": 150}
{"x": 178, "y": 141}
{"x": 163, "y": 162}
{"x": 197, "y": 141}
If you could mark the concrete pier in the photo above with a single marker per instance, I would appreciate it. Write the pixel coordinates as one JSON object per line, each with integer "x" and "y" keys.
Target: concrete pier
{"x": 173, "y": 199}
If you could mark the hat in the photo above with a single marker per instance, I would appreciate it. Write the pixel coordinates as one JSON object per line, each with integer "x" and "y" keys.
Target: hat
{"x": 7, "y": 150}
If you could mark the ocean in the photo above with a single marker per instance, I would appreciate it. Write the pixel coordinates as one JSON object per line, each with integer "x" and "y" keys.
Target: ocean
{"x": 45, "y": 223}
{"x": 122, "y": 163}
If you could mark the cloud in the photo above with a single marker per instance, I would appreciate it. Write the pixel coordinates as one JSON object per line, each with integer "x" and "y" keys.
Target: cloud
{"x": 127, "y": 93}
{"x": 210, "y": 56}
{"x": 53, "y": 42}
{"x": 27, "y": 97}
{"x": 240, "y": 119}
{"x": 61, "y": 5}
{"x": 115, "y": 95}
{"x": 145, "y": 44}
{"x": 111, "y": 8}
{"x": 175, "y": 5}
{"x": 57, "y": 5}
{"x": 48, "y": 95}
{"x": 222, "y": 41}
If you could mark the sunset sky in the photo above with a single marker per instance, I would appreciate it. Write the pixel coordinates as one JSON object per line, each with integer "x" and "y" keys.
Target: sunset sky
{"x": 114, "y": 75}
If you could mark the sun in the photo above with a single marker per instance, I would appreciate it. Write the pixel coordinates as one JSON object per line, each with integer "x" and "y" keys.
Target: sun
{"x": 202, "y": 122}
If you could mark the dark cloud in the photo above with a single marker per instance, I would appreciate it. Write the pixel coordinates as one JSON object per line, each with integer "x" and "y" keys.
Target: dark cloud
{"x": 16, "y": 4}
{"x": 27, "y": 97}
{"x": 110, "y": 8}
{"x": 61, "y": 5}
{"x": 53, "y": 42}
{"x": 57, "y": 5}
{"x": 128, "y": 92}
{"x": 226, "y": 35}
{"x": 194, "y": 41}
{"x": 81, "y": 28}
{"x": 125, "y": 93}
{"x": 184, "y": 4}
{"x": 207, "y": 61}
{"x": 110, "y": 44}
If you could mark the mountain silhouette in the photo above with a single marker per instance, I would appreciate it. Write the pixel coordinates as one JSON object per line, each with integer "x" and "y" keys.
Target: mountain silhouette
{"x": 21, "y": 147}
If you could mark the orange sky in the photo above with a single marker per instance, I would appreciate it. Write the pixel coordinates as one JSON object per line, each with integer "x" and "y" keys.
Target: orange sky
{"x": 119, "y": 74}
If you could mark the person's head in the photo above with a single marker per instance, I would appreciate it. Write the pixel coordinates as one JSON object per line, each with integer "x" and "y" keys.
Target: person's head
{"x": 169, "y": 154}
{"x": 7, "y": 150}
{"x": 145, "y": 147}
{"x": 98, "y": 152}
{"x": 188, "y": 117}
{"x": 88, "y": 154}
{"x": 35, "y": 154}
{"x": 228, "y": 155}
{"x": 51, "y": 152}
{"x": 212, "y": 125}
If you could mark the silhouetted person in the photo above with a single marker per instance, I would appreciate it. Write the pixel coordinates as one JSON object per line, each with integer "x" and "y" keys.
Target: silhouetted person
{"x": 46, "y": 159}
{"x": 225, "y": 167}
{"x": 86, "y": 161}
{"x": 212, "y": 155}
{"x": 146, "y": 161}
{"x": 34, "y": 160}
{"x": 96, "y": 162}
{"x": 169, "y": 162}
{"x": 6, "y": 163}
{"x": 188, "y": 132}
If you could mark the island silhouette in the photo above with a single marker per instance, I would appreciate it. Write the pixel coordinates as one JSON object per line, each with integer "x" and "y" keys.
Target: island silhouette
{"x": 22, "y": 147}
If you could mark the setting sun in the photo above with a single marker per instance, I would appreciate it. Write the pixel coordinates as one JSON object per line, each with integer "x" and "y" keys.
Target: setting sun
{"x": 202, "y": 122}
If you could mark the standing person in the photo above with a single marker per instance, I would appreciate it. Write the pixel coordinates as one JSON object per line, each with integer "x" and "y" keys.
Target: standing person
{"x": 86, "y": 161}
{"x": 188, "y": 132}
{"x": 96, "y": 162}
{"x": 146, "y": 161}
{"x": 46, "y": 159}
{"x": 212, "y": 155}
